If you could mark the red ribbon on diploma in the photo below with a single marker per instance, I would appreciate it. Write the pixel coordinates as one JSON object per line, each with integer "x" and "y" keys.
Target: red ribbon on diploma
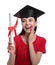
{"x": 11, "y": 28}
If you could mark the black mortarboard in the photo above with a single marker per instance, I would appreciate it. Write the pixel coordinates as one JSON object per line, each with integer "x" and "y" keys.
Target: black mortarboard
{"x": 29, "y": 11}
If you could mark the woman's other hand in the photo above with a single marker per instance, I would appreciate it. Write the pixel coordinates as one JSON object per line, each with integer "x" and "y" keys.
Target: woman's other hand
{"x": 11, "y": 48}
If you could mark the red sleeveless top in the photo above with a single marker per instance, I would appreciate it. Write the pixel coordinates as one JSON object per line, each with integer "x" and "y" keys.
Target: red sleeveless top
{"x": 22, "y": 50}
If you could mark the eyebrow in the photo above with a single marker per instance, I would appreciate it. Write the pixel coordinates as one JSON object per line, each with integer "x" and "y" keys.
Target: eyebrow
{"x": 23, "y": 18}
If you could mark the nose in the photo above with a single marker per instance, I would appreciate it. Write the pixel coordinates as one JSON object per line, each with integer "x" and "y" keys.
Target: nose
{"x": 27, "y": 22}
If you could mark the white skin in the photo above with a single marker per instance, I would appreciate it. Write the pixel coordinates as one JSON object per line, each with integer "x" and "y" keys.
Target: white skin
{"x": 28, "y": 24}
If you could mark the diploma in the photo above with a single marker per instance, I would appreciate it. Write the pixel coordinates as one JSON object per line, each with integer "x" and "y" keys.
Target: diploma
{"x": 12, "y": 28}
{"x": 11, "y": 23}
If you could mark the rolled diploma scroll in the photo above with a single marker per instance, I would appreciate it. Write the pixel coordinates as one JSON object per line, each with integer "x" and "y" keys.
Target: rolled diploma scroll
{"x": 11, "y": 23}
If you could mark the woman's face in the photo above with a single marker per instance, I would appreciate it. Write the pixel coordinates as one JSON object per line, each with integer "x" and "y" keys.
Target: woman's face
{"x": 28, "y": 24}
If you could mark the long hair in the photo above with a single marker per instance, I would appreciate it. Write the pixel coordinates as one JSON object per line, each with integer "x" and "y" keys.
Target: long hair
{"x": 23, "y": 32}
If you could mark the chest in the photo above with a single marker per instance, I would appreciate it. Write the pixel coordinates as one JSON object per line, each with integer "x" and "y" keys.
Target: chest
{"x": 22, "y": 50}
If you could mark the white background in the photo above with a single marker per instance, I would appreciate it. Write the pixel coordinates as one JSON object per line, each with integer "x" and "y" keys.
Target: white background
{"x": 46, "y": 25}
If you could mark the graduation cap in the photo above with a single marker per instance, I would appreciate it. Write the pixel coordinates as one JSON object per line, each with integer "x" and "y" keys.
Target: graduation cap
{"x": 29, "y": 11}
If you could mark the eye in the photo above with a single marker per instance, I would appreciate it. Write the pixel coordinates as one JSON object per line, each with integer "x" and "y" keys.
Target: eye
{"x": 30, "y": 20}
{"x": 23, "y": 20}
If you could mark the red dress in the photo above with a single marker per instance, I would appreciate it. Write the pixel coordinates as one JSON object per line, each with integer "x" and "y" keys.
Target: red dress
{"x": 22, "y": 50}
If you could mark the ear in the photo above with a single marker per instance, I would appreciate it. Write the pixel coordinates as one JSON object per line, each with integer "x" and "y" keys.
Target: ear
{"x": 36, "y": 23}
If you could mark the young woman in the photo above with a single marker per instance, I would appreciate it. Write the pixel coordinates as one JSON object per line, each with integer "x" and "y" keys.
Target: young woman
{"x": 28, "y": 47}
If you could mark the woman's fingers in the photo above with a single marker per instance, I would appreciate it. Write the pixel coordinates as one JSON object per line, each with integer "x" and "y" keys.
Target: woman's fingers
{"x": 31, "y": 36}
{"x": 32, "y": 31}
{"x": 11, "y": 48}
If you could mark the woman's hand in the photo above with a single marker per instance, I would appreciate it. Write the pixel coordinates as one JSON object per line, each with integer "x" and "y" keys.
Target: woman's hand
{"x": 31, "y": 36}
{"x": 11, "y": 48}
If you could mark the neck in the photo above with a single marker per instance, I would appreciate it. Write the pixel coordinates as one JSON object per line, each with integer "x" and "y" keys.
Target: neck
{"x": 26, "y": 35}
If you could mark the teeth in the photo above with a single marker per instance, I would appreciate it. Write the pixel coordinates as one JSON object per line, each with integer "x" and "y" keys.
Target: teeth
{"x": 28, "y": 27}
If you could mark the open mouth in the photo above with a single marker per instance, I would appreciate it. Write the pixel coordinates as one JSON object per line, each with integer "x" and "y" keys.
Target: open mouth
{"x": 28, "y": 27}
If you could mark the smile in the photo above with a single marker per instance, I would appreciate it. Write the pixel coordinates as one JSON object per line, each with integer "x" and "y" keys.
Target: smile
{"x": 28, "y": 27}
